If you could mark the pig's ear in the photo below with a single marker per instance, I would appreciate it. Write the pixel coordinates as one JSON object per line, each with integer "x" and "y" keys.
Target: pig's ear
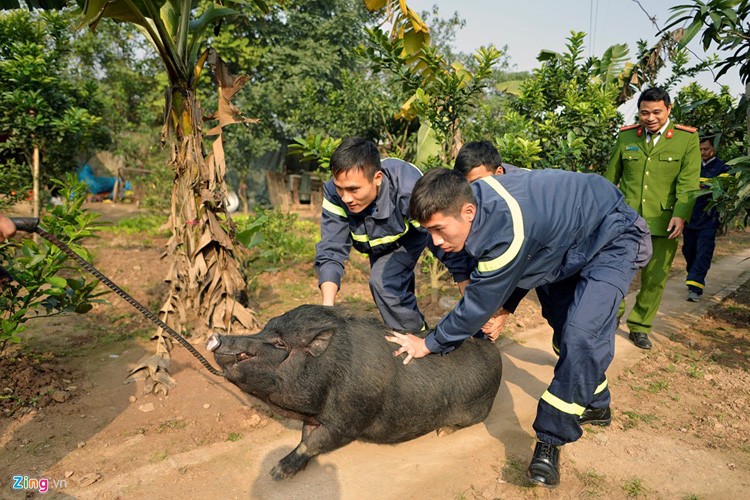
{"x": 319, "y": 342}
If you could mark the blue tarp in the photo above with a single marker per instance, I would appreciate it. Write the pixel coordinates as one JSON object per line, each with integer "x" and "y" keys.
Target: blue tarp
{"x": 96, "y": 184}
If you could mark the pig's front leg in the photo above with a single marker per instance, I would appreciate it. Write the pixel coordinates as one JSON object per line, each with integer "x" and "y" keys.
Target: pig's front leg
{"x": 316, "y": 439}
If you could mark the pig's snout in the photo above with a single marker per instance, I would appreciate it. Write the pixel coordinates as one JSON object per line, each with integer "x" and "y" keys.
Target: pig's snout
{"x": 213, "y": 342}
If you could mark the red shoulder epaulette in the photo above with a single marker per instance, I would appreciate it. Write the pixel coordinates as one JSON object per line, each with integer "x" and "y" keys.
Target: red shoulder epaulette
{"x": 629, "y": 127}
{"x": 692, "y": 130}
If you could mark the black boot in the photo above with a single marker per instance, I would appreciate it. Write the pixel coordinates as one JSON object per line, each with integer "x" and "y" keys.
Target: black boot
{"x": 544, "y": 468}
{"x": 596, "y": 416}
{"x": 640, "y": 339}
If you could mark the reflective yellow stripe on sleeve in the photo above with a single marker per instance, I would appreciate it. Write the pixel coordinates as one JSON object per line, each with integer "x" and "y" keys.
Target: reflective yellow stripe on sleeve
{"x": 331, "y": 207}
{"x": 363, "y": 238}
{"x": 555, "y": 402}
{"x": 517, "y": 218}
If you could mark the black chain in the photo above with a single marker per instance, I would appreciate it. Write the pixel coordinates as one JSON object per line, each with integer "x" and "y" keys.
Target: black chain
{"x": 130, "y": 300}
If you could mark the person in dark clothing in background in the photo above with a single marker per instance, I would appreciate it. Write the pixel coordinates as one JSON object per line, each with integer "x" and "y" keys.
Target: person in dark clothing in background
{"x": 699, "y": 236}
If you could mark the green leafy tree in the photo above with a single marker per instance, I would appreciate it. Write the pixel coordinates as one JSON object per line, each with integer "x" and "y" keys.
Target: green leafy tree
{"x": 716, "y": 115}
{"x": 306, "y": 80}
{"x": 131, "y": 80}
{"x": 566, "y": 114}
{"x": 724, "y": 24}
{"x": 440, "y": 92}
{"x": 49, "y": 114}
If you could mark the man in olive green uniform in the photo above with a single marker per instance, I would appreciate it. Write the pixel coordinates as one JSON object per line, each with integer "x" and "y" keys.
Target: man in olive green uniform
{"x": 657, "y": 166}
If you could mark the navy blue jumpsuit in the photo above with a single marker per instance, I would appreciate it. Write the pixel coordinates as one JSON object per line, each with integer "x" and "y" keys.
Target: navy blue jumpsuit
{"x": 393, "y": 243}
{"x": 699, "y": 236}
{"x": 544, "y": 228}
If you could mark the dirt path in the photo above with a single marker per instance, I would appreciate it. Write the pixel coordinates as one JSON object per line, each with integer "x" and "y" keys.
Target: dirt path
{"x": 206, "y": 439}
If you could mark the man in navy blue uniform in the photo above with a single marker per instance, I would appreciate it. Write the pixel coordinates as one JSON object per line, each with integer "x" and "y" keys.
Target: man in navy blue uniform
{"x": 526, "y": 231}
{"x": 366, "y": 205}
{"x": 699, "y": 236}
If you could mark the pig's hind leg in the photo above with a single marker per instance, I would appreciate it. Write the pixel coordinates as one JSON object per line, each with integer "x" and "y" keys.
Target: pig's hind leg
{"x": 316, "y": 439}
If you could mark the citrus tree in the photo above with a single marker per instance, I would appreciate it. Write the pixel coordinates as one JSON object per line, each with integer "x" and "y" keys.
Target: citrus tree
{"x": 49, "y": 113}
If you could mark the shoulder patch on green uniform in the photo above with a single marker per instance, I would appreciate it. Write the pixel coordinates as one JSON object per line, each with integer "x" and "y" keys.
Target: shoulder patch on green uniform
{"x": 629, "y": 127}
{"x": 692, "y": 130}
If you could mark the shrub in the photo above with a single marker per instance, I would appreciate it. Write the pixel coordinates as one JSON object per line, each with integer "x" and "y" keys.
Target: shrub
{"x": 37, "y": 282}
{"x": 276, "y": 238}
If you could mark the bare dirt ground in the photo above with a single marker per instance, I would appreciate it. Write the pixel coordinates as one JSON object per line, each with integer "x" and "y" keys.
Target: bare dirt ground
{"x": 681, "y": 427}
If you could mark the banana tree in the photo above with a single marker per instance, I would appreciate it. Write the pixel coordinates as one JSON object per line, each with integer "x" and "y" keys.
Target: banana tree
{"x": 205, "y": 278}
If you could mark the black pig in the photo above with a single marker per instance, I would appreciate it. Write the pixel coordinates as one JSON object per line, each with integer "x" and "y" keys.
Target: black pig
{"x": 337, "y": 374}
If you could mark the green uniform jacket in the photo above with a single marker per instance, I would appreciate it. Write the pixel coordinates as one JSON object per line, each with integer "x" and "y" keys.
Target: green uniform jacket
{"x": 660, "y": 181}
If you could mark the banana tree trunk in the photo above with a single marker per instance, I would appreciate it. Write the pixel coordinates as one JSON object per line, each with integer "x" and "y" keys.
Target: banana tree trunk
{"x": 205, "y": 277}
{"x": 206, "y": 282}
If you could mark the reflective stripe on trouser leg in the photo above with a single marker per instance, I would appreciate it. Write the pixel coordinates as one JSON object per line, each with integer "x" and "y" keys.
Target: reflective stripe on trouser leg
{"x": 392, "y": 288}
{"x": 653, "y": 279}
{"x": 587, "y": 344}
{"x": 704, "y": 243}
{"x": 586, "y": 350}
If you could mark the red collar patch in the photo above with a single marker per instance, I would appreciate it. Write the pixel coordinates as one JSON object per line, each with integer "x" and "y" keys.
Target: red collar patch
{"x": 669, "y": 133}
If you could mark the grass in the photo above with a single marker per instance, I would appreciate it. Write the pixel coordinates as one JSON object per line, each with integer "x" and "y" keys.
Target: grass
{"x": 142, "y": 224}
{"x": 634, "y": 418}
{"x": 234, "y": 436}
{"x": 158, "y": 456}
{"x": 658, "y": 386}
{"x": 170, "y": 425}
{"x": 695, "y": 371}
{"x": 633, "y": 488}
{"x": 593, "y": 482}
{"x": 514, "y": 472}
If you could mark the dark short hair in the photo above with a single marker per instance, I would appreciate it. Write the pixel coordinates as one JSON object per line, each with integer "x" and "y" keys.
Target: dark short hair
{"x": 475, "y": 154}
{"x": 355, "y": 153}
{"x": 440, "y": 190}
{"x": 707, "y": 138}
{"x": 655, "y": 94}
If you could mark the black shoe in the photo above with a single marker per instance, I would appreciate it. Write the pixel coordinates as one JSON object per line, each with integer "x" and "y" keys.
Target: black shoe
{"x": 640, "y": 339}
{"x": 544, "y": 468}
{"x": 596, "y": 416}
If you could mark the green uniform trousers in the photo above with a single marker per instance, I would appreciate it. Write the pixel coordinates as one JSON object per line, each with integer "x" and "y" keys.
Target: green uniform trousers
{"x": 653, "y": 280}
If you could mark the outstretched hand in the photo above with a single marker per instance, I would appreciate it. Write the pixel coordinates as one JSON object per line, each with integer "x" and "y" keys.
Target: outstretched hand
{"x": 413, "y": 346}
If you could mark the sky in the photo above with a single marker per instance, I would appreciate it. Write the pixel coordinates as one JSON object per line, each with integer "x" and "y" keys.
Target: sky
{"x": 527, "y": 27}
